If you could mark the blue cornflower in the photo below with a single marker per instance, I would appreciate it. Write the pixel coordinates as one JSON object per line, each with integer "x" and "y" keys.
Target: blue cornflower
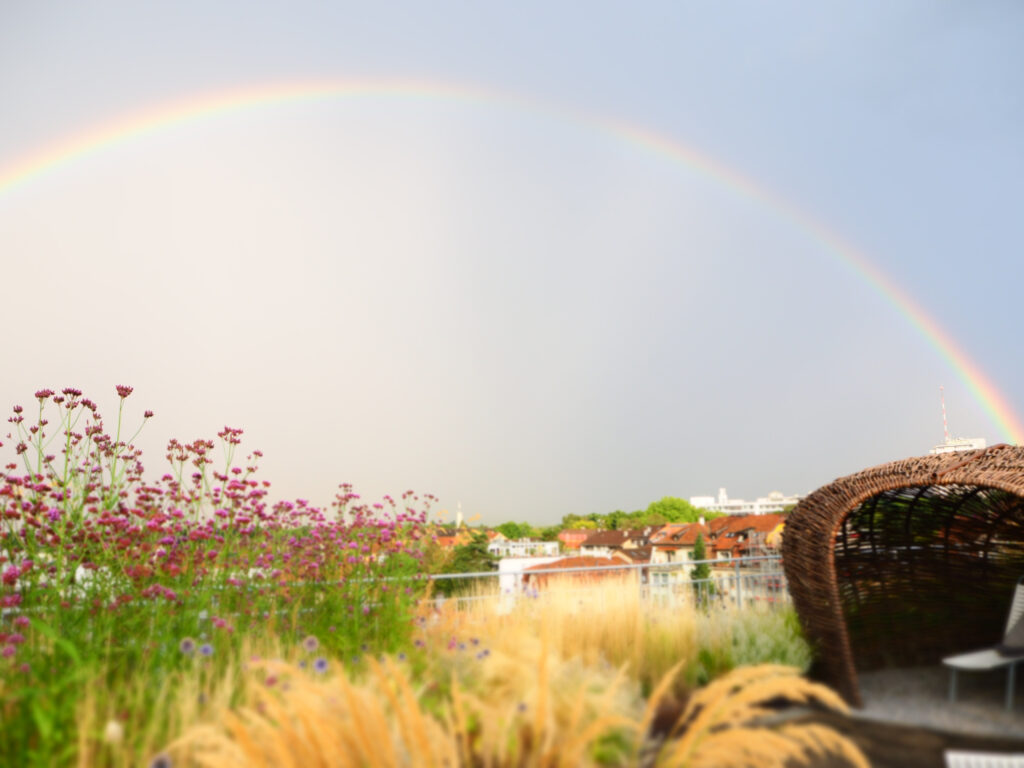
{"x": 206, "y": 649}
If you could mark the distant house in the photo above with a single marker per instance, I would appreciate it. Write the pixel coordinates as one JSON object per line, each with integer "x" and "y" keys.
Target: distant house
{"x": 606, "y": 543}
{"x": 674, "y": 543}
{"x": 522, "y": 548}
{"x": 540, "y": 580}
{"x": 725, "y": 539}
{"x": 448, "y": 538}
{"x": 572, "y": 538}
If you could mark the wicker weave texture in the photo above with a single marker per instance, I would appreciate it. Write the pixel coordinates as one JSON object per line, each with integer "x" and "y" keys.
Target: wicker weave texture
{"x": 907, "y": 562}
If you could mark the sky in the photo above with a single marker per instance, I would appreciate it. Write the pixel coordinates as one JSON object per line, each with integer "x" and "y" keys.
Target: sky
{"x": 532, "y": 258}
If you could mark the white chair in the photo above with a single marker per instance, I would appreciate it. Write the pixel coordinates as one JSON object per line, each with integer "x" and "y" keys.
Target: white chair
{"x": 961, "y": 759}
{"x": 1008, "y": 654}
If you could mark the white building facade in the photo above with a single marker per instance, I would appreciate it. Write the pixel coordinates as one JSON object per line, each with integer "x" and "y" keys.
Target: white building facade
{"x": 523, "y": 548}
{"x": 775, "y": 501}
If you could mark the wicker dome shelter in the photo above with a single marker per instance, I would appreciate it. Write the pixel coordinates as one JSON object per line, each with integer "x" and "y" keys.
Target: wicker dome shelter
{"x": 907, "y": 562}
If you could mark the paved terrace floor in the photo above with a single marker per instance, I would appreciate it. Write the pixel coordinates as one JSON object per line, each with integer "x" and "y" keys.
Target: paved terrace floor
{"x": 920, "y": 697}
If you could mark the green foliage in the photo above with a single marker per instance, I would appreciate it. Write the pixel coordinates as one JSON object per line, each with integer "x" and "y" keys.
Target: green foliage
{"x": 514, "y": 531}
{"x": 676, "y": 510}
{"x": 550, "y": 533}
{"x": 668, "y": 509}
{"x": 701, "y": 574}
{"x": 471, "y": 557}
{"x": 618, "y": 520}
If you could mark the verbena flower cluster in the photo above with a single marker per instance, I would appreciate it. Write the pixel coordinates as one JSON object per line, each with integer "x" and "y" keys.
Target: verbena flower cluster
{"x": 90, "y": 545}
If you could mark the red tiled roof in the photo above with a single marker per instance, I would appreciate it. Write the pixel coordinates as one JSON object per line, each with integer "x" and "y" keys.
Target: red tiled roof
{"x": 689, "y": 536}
{"x": 724, "y": 543}
{"x": 737, "y": 523}
{"x": 579, "y": 561}
{"x": 637, "y": 555}
{"x": 667, "y": 532}
{"x": 605, "y": 539}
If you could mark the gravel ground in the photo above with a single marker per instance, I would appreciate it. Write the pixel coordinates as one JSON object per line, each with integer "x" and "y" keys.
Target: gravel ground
{"x": 920, "y": 697}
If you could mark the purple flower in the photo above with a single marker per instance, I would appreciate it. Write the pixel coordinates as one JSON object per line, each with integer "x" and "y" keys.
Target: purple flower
{"x": 187, "y": 646}
{"x": 320, "y": 665}
{"x": 206, "y": 649}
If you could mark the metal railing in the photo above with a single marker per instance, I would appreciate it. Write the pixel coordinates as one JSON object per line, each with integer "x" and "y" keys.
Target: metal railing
{"x": 739, "y": 581}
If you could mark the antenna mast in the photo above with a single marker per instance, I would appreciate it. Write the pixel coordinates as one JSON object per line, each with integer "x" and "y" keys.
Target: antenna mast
{"x": 945, "y": 426}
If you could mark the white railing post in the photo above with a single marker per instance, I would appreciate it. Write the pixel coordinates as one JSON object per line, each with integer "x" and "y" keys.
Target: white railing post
{"x": 739, "y": 584}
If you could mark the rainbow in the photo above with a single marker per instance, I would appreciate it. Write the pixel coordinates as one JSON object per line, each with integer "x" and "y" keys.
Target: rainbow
{"x": 137, "y": 125}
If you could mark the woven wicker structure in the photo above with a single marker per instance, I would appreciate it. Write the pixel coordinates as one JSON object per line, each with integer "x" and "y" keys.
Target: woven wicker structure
{"x": 907, "y": 562}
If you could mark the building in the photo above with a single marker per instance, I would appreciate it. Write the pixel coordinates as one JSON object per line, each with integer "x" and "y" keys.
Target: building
{"x": 523, "y": 548}
{"x": 607, "y": 543}
{"x": 572, "y": 538}
{"x": 956, "y": 444}
{"x": 775, "y": 501}
{"x": 674, "y": 543}
{"x": 613, "y": 565}
{"x": 510, "y": 573}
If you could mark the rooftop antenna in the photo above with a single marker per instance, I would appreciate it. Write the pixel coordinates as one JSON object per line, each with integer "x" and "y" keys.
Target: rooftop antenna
{"x": 945, "y": 426}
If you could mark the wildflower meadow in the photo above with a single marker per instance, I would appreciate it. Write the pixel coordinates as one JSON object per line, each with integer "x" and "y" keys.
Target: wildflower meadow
{"x": 190, "y": 620}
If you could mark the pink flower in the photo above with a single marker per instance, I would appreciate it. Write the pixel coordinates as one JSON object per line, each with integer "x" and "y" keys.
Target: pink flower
{"x": 122, "y": 391}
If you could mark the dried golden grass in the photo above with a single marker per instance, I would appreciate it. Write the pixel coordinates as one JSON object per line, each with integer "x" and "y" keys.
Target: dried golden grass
{"x": 603, "y": 623}
{"x": 611, "y": 623}
{"x": 551, "y": 682}
{"x": 720, "y": 724}
{"x": 384, "y": 720}
{"x": 533, "y": 710}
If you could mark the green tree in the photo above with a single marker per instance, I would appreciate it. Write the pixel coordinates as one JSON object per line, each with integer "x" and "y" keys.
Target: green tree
{"x": 471, "y": 557}
{"x": 550, "y": 532}
{"x": 701, "y": 574}
{"x": 617, "y": 520}
{"x": 511, "y": 530}
{"x": 676, "y": 510}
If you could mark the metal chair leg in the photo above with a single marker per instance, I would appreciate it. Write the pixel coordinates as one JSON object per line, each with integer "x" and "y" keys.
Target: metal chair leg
{"x": 1011, "y": 680}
